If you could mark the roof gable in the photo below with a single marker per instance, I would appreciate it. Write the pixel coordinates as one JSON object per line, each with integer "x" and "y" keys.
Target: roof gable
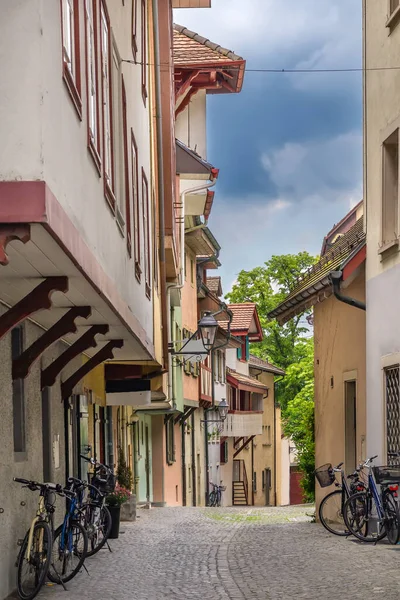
{"x": 190, "y": 48}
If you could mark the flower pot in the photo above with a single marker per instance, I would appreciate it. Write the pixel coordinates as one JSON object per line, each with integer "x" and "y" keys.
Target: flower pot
{"x": 115, "y": 512}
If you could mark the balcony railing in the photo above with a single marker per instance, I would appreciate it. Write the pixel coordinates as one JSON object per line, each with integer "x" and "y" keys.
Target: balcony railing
{"x": 242, "y": 424}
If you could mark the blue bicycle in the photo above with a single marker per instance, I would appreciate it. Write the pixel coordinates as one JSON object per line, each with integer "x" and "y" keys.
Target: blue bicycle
{"x": 70, "y": 543}
{"x": 371, "y": 515}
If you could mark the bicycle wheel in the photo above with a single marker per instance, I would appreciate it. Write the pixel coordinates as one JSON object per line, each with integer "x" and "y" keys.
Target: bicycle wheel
{"x": 69, "y": 552}
{"x": 219, "y": 495}
{"x": 98, "y": 527}
{"x": 360, "y": 515}
{"x": 392, "y": 517}
{"x": 331, "y": 513}
{"x": 32, "y": 571}
{"x": 213, "y": 498}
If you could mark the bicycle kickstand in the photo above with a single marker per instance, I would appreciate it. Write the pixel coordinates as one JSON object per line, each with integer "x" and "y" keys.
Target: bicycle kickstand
{"x": 85, "y": 567}
{"x": 108, "y": 546}
{"x": 59, "y": 577}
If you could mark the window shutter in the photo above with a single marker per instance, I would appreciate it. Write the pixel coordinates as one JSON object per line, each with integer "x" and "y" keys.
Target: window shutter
{"x": 224, "y": 452}
{"x": 239, "y": 353}
{"x": 247, "y": 348}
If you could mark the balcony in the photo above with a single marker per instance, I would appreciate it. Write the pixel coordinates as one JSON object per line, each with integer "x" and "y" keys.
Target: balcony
{"x": 242, "y": 424}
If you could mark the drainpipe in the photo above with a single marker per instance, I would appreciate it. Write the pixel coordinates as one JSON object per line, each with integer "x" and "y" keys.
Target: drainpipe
{"x": 336, "y": 278}
{"x": 161, "y": 191}
{"x": 184, "y": 498}
{"x": 207, "y": 457}
{"x": 275, "y": 388}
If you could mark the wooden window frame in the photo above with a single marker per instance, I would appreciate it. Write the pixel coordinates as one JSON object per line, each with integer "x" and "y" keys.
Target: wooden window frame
{"x": 136, "y": 207}
{"x": 390, "y": 202}
{"x": 72, "y": 80}
{"x": 128, "y": 219}
{"x": 93, "y": 141}
{"x": 146, "y": 233}
{"x": 18, "y": 395}
{"x": 134, "y": 29}
{"x": 108, "y": 189}
{"x": 144, "y": 50}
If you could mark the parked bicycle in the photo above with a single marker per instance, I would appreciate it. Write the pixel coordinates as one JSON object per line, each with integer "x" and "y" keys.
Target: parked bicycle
{"x": 70, "y": 543}
{"x": 372, "y": 514}
{"x": 331, "y": 508}
{"x": 216, "y": 494}
{"x": 34, "y": 557}
{"x": 96, "y": 517}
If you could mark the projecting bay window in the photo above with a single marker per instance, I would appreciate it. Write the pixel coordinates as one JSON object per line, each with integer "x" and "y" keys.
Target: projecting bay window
{"x": 71, "y": 51}
{"x": 390, "y": 190}
{"x": 108, "y": 170}
{"x": 128, "y": 208}
{"x": 91, "y": 11}
{"x": 146, "y": 233}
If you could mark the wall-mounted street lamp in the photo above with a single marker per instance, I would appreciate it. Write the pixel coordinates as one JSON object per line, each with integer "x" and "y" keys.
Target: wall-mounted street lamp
{"x": 222, "y": 410}
{"x": 201, "y": 343}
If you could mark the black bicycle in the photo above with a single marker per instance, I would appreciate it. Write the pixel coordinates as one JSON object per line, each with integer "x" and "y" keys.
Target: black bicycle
{"x": 96, "y": 517}
{"x": 331, "y": 509}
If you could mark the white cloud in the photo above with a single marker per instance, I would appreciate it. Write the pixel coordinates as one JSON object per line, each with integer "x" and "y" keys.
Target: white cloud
{"x": 325, "y": 169}
{"x": 274, "y": 26}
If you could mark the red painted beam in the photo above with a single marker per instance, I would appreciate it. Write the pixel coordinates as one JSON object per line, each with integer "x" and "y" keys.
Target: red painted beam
{"x": 355, "y": 262}
{"x": 246, "y": 443}
{"x": 102, "y": 355}
{"x": 22, "y": 364}
{"x": 87, "y": 340}
{"x": 10, "y": 232}
{"x": 37, "y": 299}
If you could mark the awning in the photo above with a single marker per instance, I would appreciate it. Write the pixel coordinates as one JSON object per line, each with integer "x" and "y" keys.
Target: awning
{"x": 245, "y": 383}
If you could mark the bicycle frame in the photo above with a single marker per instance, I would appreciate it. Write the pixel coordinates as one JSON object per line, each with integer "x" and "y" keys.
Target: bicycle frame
{"x": 40, "y": 514}
{"x": 375, "y": 494}
{"x": 68, "y": 516}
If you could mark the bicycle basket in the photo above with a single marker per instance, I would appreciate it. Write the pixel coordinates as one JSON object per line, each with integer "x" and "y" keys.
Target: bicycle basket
{"x": 387, "y": 474}
{"x": 325, "y": 475}
{"x": 105, "y": 485}
{"x": 222, "y": 488}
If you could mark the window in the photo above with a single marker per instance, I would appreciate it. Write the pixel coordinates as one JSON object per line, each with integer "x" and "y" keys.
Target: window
{"x": 254, "y": 481}
{"x": 18, "y": 393}
{"x": 92, "y": 81}
{"x": 155, "y": 245}
{"x": 144, "y": 51}
{"x": 224, "y": 456}
{"x": 118, "y": 166}
{"x": 394, "y": 4}
{"x": 390, "y": 189}
{"x": 134, "y": 28}
{"x": 268, "y": 435}
{"x": 71, "y": 51}
{"x": 191, "y": 271}
{"x": 223, "y": 360}
{"x": 146, "y": 233}
{"x": 126, "y": 173}
{"x": 170, "y": 440}
{"x": 107, "y": 110}
{"x": 392, "y": 398}
{"x": 136, "y": 207}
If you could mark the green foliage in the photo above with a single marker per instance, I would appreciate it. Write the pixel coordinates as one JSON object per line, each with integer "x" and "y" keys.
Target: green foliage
{"x": 286, "y": 347}
{"x": 124, "y": 473}
{"x": 268, "y": 286}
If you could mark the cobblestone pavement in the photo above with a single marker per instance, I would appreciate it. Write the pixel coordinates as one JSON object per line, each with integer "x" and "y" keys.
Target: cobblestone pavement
{"x": 233, "y": 554}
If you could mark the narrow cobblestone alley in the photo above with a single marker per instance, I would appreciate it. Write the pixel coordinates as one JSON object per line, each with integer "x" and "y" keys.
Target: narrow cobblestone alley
{"x": 234, "y": 554}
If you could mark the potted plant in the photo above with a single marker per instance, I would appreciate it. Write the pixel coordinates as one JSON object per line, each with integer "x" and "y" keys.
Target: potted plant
{"x": 114, "y": 502}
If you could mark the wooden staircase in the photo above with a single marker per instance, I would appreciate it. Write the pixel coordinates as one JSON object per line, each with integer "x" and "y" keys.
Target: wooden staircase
{"x": 239, "y": 494}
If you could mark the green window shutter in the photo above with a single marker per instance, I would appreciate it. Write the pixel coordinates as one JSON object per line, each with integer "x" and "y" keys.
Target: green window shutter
{"x": 247, "y": 348}
{"x": 239, "y": 353}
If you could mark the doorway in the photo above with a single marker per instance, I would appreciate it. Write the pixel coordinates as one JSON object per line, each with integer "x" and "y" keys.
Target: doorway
{"x": 350, "y": 421}
{"x": 147, "y": 463}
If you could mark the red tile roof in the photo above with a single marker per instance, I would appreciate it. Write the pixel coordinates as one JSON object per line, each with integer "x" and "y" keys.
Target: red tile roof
{"x": 244, "y": 314}
{"x": 263, "y": 365}
{"x": 214, "y": 285}
{"x": 191, "y": 48}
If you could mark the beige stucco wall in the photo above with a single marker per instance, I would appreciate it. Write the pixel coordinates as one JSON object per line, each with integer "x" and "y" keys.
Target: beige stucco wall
{"x": 191, "y": 124}
{"x": 263, "y": 446}
{"x": 339, "y": 335}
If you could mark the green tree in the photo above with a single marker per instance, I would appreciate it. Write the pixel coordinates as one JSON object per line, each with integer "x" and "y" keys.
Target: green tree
{"x": 268, "y": 286}
{"x": 287, "y": 347}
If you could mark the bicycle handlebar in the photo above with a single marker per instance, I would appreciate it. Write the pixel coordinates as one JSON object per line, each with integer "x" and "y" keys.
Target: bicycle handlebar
{"x": 95, "y": 463}
{"x": 35, "y": 485}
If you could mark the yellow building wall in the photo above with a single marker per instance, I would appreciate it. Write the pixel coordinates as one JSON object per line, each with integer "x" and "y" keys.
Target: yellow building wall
{"x": 339, "y": 334}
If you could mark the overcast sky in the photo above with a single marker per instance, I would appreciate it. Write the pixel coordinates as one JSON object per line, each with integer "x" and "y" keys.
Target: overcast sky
{"x": 289, "y": 146}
